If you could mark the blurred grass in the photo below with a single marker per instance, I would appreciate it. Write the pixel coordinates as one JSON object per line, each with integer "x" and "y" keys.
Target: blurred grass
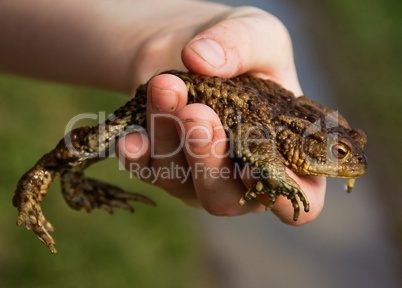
{"x": 155, "y": 247}
{"x": 361, "y": 44}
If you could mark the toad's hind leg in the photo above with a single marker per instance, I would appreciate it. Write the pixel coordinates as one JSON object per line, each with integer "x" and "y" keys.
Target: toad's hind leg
{"x": 82, "y": 192}
{"x": 76, "y": 147}
{"x": 79, "y": 148}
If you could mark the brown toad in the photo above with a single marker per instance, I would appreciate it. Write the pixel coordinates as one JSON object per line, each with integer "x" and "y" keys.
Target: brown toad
{"x": 269, "y": 129}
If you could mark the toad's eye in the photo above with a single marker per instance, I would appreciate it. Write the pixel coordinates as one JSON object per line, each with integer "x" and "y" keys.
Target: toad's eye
{"x": 339, "y": 150}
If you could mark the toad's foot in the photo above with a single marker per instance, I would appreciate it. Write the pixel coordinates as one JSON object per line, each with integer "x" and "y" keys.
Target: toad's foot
{"x": 273, "y": 189}
{"x": 80, "y": 192}
{"x": 30, "y": 215}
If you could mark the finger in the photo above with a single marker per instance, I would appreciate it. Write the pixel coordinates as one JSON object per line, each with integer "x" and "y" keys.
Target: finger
{"x": 206, "y": 148}
{"x": 244, "y": 40}
{"x": 165, "y": 95}
{"x": 133, "y": 151}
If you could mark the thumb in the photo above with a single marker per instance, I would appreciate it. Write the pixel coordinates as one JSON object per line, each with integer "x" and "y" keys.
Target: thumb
{"x": 245, "y": 39}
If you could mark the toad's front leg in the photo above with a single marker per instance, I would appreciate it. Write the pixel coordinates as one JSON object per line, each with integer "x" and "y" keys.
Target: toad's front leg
{"x": 275, "y": 186}
{"x": 257, "y": 151}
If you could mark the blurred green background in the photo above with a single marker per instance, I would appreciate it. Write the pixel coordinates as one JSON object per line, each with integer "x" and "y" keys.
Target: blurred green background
{"x": 361, "y": 44}
{"x": 155, "y": 247}
{"x": 361, "y": 48}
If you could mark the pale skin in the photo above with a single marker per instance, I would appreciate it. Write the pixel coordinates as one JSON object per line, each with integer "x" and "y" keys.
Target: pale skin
{"x": 117, "y": 45}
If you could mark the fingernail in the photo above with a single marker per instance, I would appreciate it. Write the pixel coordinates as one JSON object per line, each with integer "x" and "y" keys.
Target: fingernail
{"x": 164, "y": 100}
{"x": 210, "y": 51}
{"x": 199, "y": 133}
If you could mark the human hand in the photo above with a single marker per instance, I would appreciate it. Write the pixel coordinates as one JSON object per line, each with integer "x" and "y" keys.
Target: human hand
{"x": 234, "y": 41}
{"x": 124, "y": 43}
